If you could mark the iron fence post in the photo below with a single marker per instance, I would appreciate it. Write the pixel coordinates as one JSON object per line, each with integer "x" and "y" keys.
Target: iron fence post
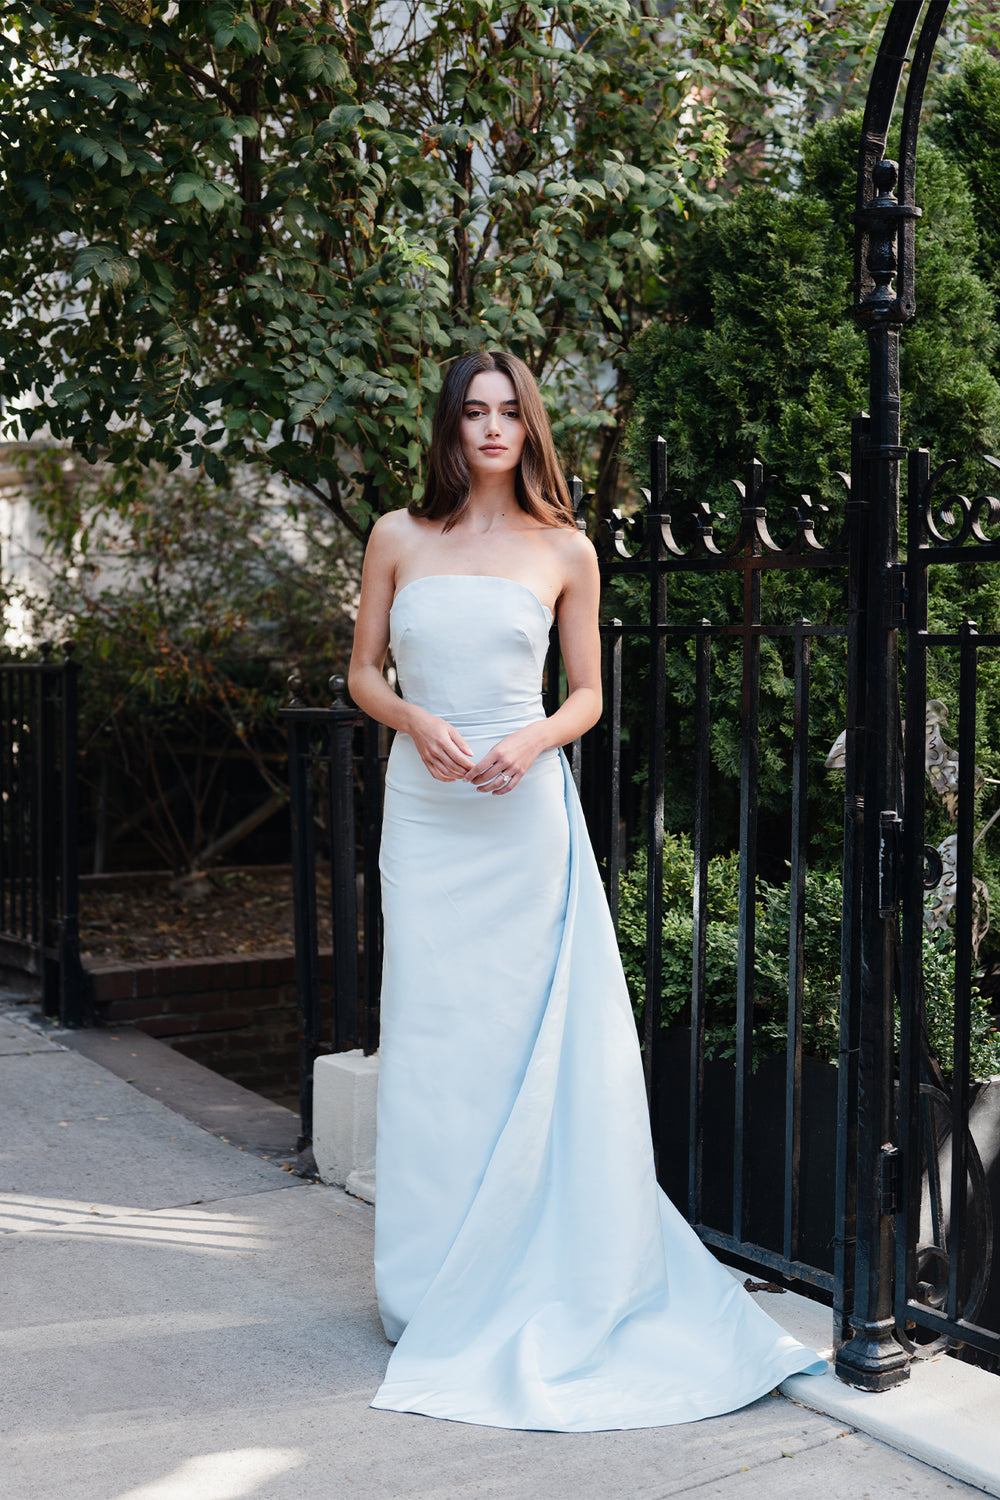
{"x": 872, "y": 1358}
{"x": 45, "y": 829}
{"x": 304, "y": 893}
{"x": 752, "y": 514}
{"x": 71, "y": 977}
{"x": 344, "y": 720}
{"x": 656, "y": 518}
{"x": 911, "y": 977}
{"x": 699, "y": 919}
{"x": 850, "y": 947}
{"x": 796, "y": 945}
{"x": 371, "y": 813}
{"x": 614, "y": 767}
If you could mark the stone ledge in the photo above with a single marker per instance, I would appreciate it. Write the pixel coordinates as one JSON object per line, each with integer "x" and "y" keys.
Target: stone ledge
{"x": 236, "y": 1114}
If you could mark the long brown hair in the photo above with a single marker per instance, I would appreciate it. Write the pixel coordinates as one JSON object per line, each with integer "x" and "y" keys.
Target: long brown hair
{"x": 538, "y": 482}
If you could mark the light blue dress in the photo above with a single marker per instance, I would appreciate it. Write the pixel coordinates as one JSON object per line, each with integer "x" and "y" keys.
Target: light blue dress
{"x": 526, "y": 1261}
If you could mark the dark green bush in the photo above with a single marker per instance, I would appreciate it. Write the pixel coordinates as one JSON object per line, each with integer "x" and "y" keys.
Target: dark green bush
{"x": 821, "y": 988}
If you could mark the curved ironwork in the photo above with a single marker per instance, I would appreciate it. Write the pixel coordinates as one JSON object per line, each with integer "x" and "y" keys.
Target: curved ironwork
{"x": 956, "y": 521}
{"x": 879, "y": 108}
{"x": 934, "y": 1258}
{"x": 636, "y": 538}
{"x": 926, "y": 41}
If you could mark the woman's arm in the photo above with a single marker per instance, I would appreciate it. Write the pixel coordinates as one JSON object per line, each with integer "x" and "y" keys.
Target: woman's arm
{"x": 580, "y": 643}
{"x": 442, "y": 749}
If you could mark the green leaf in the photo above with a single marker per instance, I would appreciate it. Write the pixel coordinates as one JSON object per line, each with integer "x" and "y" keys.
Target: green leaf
{"x": 89, "y": 149}
{"x": 37, "y": 193}
{"x": 248, "y": 36}
{"x": 111, "y": 266}
{"x": 322, "y": 65}
{"x": 342, "y": 118}
{"x": 185, "y": 185}
{"x": 211, "y": 197}
{"x": 409, "y": 195}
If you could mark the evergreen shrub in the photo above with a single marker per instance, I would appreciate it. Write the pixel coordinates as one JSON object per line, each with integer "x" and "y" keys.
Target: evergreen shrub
{"x": 821, "y": 986}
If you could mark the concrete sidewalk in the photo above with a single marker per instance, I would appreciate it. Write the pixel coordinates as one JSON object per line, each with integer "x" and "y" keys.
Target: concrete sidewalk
{"x": 184, "y": 1319}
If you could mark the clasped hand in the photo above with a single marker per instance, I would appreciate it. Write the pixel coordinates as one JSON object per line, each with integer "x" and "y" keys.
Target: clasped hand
{"x": 447, "y": 756}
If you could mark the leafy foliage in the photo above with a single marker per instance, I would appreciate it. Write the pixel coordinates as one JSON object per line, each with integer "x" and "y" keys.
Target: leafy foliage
{"x": 763, "y": 360}
{"x": 188, "y": 606}
{"x": 966, "y": 124}
{"x": 242, "y": 232}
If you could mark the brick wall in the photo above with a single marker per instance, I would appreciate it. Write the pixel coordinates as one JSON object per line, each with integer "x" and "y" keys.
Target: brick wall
{"x": 236, "y": 1015}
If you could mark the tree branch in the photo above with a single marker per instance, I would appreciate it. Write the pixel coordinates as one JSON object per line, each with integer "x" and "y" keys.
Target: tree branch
{"x": 196, "y": 75}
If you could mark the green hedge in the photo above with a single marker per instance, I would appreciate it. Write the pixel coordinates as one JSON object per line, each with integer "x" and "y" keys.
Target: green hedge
{"x": 821, "y": 990}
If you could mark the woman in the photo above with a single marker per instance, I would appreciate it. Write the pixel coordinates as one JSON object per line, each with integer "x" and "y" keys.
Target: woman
{"x": 526, "y": 1261}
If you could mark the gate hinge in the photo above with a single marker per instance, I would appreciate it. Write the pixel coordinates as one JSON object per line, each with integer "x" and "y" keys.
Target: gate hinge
{"x": 889, "y": 1184}
{"x": 890, "y": 827}
{"x": 897, "y": 596}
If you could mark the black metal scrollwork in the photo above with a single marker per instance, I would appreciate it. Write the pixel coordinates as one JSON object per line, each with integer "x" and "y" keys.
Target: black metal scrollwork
{"x": 684, "y": 529}
{"x": 956, "y": 520}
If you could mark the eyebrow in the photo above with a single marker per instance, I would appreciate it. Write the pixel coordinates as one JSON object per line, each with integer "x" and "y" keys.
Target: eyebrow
{"x": 475, "y": 401}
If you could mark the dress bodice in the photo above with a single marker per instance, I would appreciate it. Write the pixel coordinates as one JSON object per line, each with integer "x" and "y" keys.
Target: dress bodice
{"x": 470, "y": 647}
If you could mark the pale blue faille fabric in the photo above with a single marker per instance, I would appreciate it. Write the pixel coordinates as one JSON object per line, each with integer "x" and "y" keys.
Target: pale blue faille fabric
{"x": 526, "y": 1261}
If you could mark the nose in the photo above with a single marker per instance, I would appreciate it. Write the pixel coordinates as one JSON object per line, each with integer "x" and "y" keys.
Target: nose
{"x": 492, "y": 423}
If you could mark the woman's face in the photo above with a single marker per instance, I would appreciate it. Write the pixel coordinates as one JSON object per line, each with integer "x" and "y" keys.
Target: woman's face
{"x": 492, "y": 430}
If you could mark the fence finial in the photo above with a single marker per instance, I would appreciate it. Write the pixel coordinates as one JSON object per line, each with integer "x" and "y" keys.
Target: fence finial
{"x": 338, "y": 687}
{"x": 577, "y": 497}
{"x": 657, "y": 475}
{"x": 294, "y": 689}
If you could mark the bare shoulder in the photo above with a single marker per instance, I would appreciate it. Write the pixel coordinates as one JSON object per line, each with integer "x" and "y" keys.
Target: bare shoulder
{"x": 393, "y": 525}
{"x": 577, "y": 559}
{"x": 391, "y": 535}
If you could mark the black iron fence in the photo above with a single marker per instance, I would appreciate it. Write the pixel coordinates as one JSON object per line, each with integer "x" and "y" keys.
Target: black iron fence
{"x": 38, "y": 830}
{"x": 336, "y": 765}
{"x": 949, "y": 1121}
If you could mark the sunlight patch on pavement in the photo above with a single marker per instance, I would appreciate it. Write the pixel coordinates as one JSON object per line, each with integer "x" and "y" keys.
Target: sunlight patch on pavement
{"x": 188, "y": 1227}
{"x": 219, "y": 1476}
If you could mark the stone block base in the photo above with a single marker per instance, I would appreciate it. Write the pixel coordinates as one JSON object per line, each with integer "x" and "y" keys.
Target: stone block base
{"x": 345, "y": 1086}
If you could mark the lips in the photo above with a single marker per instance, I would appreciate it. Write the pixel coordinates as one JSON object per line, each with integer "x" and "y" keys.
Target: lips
{"x": 492, "y": 448}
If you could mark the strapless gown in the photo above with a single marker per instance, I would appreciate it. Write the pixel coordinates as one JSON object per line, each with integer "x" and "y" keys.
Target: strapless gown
{"x": 526, "y": 1261}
